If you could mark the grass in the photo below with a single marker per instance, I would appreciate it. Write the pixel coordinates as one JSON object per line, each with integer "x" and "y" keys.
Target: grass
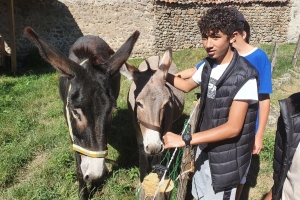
{"x": 284, "y": 57}
{"x": 36, "y": 160}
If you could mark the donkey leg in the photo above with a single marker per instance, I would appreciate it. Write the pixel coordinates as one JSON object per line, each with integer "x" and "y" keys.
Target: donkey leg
{"x": 95, "y": 185}
{"x": 83, "y": 192}
{"x": 143, "y": 163}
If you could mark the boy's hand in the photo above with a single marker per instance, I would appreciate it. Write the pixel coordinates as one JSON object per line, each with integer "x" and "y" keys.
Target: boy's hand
{"x": 172, "y": 140}
{"x": 258, "y": 144}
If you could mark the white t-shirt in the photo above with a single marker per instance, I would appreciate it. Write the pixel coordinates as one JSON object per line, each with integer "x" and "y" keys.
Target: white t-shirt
{"x": 247, "y": 92}
{"x": 249, "y": 53}
{"x": 291, "y": 186}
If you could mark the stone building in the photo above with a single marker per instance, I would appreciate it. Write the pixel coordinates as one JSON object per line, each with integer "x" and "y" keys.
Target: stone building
{"x": 162, "y": 23}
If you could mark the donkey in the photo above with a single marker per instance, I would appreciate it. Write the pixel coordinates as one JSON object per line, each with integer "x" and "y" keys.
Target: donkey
{"x": 154, "y": 104}
{"x": 89, "y": 85}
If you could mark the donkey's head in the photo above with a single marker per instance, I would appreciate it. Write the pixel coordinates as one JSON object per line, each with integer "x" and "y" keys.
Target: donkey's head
{"x": 151, "y": 100}
{"x": 88, "y": 88}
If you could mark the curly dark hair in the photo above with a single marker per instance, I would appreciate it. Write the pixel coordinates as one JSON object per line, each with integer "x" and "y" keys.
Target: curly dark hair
{"x": 218, "y": 19}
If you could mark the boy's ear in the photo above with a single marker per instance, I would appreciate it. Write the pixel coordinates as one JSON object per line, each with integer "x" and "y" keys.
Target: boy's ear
{"x": 244, "y": 35}
{"x": 233, "y": 37}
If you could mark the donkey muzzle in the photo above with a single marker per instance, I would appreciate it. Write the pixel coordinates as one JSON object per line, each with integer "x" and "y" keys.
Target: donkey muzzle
{"x": 92, "y": 168}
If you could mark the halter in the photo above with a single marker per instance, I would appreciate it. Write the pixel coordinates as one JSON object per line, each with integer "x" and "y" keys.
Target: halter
{"x": 151, "y": 126}
{"x": 75, "y": 147}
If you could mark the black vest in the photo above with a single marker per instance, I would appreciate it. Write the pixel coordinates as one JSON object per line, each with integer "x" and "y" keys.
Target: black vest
{"x": 229, "y": 158}
{"x": 286, "y": 142}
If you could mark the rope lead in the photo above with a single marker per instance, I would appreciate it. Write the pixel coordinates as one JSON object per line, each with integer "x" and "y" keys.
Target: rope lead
{"x": 165, "y": 172}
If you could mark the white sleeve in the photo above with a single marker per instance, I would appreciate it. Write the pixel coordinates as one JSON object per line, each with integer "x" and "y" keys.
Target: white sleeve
{"x": 248, "y": 92}
{"x": 197, "y": 76}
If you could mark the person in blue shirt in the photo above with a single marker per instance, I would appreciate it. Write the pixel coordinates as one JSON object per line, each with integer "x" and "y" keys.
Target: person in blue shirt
{"x": 259, "y": 59}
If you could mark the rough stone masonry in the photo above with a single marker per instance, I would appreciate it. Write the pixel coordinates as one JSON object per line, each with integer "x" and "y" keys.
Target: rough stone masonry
{"x": 161, "y": 24}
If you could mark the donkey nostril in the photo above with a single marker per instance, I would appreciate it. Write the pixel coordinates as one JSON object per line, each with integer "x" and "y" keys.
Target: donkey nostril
{"x": 147, "y": 148}
{"x": 86, "y": 177}
{"x": 161, "y": 148}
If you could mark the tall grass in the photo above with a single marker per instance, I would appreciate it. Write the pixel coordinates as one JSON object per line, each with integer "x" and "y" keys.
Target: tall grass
{"x": 36, "y": 160}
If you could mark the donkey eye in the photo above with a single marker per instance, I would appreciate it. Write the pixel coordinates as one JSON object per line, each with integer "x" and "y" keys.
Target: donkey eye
{"x": 76, "y": 114}
{"x": 139, "y": 104}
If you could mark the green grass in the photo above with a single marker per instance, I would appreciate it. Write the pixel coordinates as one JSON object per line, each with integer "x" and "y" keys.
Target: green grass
{"x": 36, "y": 160}
{"x": 284, "y": 57}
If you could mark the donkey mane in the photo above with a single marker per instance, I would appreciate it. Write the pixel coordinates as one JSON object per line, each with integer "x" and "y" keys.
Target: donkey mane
{"x": 91, "y": 47}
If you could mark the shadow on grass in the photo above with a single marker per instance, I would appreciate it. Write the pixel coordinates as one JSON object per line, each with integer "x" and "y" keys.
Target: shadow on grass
{"x": 122, "y": 137}
{"x": 31, "y": 64}
{"x": 251, "y": 180}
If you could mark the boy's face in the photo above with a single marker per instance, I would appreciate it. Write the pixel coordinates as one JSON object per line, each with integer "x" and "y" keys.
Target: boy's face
{"x": 217, "y": 46}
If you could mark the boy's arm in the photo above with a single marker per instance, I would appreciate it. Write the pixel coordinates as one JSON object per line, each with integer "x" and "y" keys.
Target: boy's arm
{"x": 184, "y": 85}
{"x": 228, "y": 130}
{"x": 187, "y": 73}
{"x": 264, "y": 109}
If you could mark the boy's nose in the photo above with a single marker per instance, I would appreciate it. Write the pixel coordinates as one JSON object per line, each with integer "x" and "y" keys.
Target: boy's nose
{"x": 209, "y": 43}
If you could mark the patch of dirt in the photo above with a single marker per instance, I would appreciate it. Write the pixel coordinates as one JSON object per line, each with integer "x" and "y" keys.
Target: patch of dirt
{"x": 289, "y": 87}
{"x": 264, "y": 184}
{"x": 35, "y": 165}
{"x": 25, "y": 174}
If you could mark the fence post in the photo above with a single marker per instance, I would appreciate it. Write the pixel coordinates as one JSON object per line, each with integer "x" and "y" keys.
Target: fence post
{"x": 2, "y": 52}
{"x": 10, "y": 5}
{"x": 274, "y": 55}
{"x": 296, "y": 52}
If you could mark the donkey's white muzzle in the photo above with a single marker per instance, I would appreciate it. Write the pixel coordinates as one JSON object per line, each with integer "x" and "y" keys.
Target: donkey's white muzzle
{"x": 92, "y": 168}
{"x": 152, "y": 142}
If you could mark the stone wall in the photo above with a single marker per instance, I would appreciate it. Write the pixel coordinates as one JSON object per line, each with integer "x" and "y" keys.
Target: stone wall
{"x": 61, "y": 22}
{"x": 177, "y": 26}
{"x": 294, "y": 24}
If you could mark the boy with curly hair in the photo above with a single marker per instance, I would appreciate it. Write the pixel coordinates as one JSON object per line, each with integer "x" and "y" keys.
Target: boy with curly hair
{"x": 224, "y": 132}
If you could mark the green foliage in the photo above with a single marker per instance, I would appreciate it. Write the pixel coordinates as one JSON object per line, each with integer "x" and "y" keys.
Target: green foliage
{"x": 267, "y": 152}
{"x": 136, "y": 62}
{"x": 188, "y": 58}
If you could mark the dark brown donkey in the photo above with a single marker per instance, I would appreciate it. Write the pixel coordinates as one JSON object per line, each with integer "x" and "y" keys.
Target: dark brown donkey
{"x": 89, "y": 86}
{"x": 154, "y": 104}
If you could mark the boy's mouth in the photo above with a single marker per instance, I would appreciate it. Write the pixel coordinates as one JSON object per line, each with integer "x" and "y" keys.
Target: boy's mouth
{"x": 210, "y": 52}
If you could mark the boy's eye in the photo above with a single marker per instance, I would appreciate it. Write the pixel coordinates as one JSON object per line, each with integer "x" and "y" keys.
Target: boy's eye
{"x": 215, "y": 36}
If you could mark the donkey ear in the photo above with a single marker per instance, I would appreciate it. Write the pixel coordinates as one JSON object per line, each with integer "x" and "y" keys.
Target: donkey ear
{"x": 119, "y": 58}
{"x": 64, "y": 65}
{"x": 166, "y": 61}
{"x": 129, "y": 71}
